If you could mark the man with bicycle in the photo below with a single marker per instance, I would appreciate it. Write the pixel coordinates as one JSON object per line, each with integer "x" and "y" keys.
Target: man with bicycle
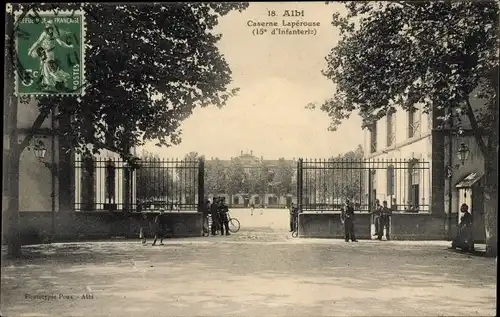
{"x": 223, "y": 217}
{"x": 206, "y": 213}
{"x": 214, "y": 210}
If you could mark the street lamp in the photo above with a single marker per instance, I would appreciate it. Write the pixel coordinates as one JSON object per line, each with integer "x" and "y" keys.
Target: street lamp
{"x": 463, "y": 153}
{"x": 40, "y": 151}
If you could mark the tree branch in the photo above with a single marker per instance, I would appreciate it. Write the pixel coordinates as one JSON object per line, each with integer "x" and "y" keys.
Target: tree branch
{"x": 475, "y": 127}
{"x": 34, "y": 127}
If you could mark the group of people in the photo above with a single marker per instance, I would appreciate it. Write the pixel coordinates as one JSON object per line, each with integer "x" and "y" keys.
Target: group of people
{"x": 218, "y": 210}
{"x": 382, "y": 219}
{"x": 382, "y": 214}
{"x": 158, "y": 227}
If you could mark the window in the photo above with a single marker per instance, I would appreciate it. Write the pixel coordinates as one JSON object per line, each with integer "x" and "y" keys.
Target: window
{"x": 373, "y": 138}
{"x": 391, "y": 180}
{"x": 373, "y": 186}
{"x": 236, "y": 200}
{"x": 391, "y": 129}
{"x": 110, "y": 175}
{"x": 256, "y": 200}
{"x": 413, "y": 123}
{"x": 413, "y": 185}
{"x": 272, "y": 200}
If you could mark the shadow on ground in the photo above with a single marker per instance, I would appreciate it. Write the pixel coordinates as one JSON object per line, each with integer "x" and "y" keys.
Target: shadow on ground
{"x": 254, "y": 272}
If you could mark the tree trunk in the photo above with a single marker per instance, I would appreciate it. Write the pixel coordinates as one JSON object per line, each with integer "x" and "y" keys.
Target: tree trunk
{"x": 14, "y": 236}
{"x": 491, "y": 176}
{"x": 491, "y": 203}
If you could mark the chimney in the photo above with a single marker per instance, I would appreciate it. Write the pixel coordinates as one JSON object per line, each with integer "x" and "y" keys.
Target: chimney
{"x": 251, "y": 152}
{"x": 242, "y": 153}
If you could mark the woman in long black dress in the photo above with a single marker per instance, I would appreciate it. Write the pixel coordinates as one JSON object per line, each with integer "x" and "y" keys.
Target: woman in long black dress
{"x": 464, "y": 238}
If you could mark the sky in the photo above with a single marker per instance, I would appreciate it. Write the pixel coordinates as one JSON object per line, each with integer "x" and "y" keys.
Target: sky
{"x": 278, "y": 75}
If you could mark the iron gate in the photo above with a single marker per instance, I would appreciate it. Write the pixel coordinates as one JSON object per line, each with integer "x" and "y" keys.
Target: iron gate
{"x": 114, "y": 185}
{"x": 324, "y": 185}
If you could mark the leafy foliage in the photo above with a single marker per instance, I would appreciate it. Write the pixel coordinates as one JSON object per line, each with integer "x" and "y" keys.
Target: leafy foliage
{"x": 283, "y": 177}
{"x": 431, "y": 53}
{"x": 235, "y": 177}
{"x": 153, "y": 180}
{"x": 148, "y": 66}
{"x": 436, "y": 55}
{"x": 343, "y": 179}
{"x": 187, "y": 176}
{"x": 215, "y": 177}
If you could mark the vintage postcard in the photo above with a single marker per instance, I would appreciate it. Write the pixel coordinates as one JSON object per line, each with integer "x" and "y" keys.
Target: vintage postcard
{"x": 250, "y": 159}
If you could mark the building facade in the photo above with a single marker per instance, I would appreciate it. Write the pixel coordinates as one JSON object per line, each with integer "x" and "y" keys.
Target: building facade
{"x": 36, "y": 181}
{"x": 403, "y": 142}
{"x": 446, "y": 182}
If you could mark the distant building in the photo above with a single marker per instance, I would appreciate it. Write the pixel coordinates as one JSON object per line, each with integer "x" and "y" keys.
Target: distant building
{"x": 245, "y": 199}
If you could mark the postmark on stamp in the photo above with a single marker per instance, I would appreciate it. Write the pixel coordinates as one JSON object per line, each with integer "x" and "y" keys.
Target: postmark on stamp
{"x": 50, "y": 52}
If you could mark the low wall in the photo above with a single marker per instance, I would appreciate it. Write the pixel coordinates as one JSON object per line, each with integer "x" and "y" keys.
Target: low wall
{"x": 36, "y": 227}
{"x": 404, "y": 226}
{"x": 328, "y": 225}
{"x": 414, "y": 226}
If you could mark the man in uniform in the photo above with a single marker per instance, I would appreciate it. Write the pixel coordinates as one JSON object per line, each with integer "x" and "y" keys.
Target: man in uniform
{"x": 223, "y": 217}
{"x": 384, "y": 221}
{"x": 347, "y": 218}
{"x": 293, "y": 217}
{"x": 206, "y": 212}
{"x": 159, "y": 227}
{"x": 215, "y": 215}
{"x": 377, "y": 211}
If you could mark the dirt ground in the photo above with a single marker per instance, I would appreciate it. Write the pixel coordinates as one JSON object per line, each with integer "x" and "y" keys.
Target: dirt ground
{"x": 260, "y": 271}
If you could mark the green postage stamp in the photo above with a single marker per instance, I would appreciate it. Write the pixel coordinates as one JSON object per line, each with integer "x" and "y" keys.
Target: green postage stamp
{"x": 50, "y": 52}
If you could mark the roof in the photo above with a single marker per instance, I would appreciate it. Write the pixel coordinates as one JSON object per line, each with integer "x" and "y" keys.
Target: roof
{"x": 470, "y": 180}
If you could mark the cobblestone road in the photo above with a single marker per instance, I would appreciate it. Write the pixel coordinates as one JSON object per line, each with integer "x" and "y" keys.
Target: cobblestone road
{"x": 260, "y": 271}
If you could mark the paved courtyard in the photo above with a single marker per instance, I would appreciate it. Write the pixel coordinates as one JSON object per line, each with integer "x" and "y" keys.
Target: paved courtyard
{"x": 260, "y": 271}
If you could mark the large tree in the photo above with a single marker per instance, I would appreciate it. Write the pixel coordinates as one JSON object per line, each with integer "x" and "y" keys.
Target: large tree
{"x": 187, "y": 177}
{"x": 235, "y": 177}
{"x": 215, "y": 177}
{"x": 148, "y": 66}
{"x": 437, "y": 54}
{"x": 282, "y": 178}
{"x": 153, "y": 180}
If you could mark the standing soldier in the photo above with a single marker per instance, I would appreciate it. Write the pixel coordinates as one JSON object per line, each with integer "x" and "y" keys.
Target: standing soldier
{"x": 159, "y": 227}
{"x": 384, "y": 221}
{"x": 144, "y": 226}
{"x": 293, "y": 217}
{"x": 347, "y": 218}
{"x": 377, "y": 211}
{"x": 206, "y": 212}
{"x": 223, "y": 217}
{"x": 215, "y": 215}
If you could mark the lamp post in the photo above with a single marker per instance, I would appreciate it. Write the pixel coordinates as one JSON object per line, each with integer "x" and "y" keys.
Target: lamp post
{"x": 40, "y": 151}
{"x": 463, "y": 153}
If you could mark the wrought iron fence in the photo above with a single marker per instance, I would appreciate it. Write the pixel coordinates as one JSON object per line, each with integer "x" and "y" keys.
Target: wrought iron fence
{"x": 112, "y": 184}
{"x": 325, "y": 185}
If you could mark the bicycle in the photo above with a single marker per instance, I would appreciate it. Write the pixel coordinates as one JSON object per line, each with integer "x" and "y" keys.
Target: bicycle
{"x": 234, "y": 224}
